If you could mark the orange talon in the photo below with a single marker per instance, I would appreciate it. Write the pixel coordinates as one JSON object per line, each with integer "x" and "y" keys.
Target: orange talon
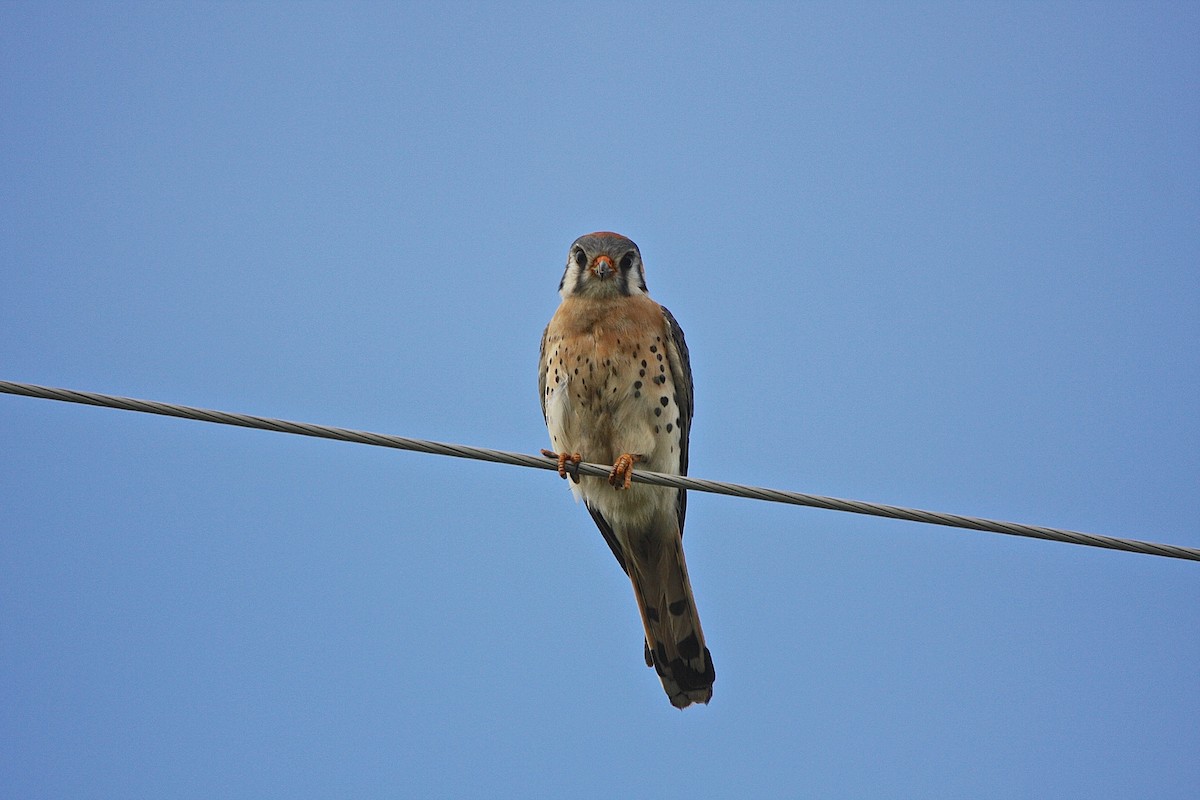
{"x": 562, "y": 459}
{"x": 621, "y": 476}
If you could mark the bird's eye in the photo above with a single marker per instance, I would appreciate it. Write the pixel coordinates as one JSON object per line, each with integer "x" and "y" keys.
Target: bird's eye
{"x": 580, "y": 258}
{"x": 626, "y": 261}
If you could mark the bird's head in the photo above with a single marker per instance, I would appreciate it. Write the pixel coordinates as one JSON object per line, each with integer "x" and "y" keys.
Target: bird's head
{"x": 603, "y": 265}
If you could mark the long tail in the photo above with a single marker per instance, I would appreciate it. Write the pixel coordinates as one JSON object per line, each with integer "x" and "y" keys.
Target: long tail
{"x": 674, "y": 640}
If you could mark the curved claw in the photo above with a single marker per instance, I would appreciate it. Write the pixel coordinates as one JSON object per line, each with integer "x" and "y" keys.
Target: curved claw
{"x": 563, "y": 458}
{"x": 621, "y": 476}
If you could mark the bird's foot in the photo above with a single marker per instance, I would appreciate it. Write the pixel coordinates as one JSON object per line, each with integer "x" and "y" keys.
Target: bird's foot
{"x": 622, "y": 472}
{"x": 563, "y": 458}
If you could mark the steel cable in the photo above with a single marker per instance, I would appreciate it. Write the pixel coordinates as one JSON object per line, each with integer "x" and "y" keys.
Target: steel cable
{"x": 640, "y": 476}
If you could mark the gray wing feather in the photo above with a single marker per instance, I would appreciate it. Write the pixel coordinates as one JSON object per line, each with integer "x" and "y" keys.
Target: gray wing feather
{"x": 610, "y": 537}
{"x": 681, "y": 368}
{"x": 542, "y": 372}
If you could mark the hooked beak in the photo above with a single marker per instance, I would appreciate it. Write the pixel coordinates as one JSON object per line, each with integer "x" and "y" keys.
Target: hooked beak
{"x": 602, "y": 267}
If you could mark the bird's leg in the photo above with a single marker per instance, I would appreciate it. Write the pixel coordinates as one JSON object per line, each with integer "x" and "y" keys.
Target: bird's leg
{"x": 622, "y": 472}
{"x": 562, "y": 459}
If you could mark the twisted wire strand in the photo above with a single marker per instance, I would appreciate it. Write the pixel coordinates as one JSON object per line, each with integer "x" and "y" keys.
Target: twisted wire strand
{"x": 599, "y": 470}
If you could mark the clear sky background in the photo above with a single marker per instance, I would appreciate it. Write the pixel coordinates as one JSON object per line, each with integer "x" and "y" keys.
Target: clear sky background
{"x": 943, "y": 255}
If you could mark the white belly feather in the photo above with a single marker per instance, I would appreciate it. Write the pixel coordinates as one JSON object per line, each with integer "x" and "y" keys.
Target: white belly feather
{"x": 602, "y": 415}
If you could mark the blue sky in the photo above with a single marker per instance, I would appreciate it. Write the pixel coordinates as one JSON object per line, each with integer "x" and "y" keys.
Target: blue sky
{"x": 938, "y": 255}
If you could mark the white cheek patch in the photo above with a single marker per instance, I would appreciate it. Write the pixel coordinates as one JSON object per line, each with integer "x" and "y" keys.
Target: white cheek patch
{"x": 570, "y": 280}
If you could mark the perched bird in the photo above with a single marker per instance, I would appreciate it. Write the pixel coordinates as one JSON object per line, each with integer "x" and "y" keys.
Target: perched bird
{"x": 616, "y": 388}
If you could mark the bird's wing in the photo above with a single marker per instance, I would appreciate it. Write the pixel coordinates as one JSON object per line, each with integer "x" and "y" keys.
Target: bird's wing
{"x": 542, "y": 372}
{"x": 681, "y": 371}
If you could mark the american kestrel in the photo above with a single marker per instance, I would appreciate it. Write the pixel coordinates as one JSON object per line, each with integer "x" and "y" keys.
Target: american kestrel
{"x": 616, "y": 388}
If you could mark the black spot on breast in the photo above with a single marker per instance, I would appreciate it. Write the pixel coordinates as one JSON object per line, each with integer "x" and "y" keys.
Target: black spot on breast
{"x": 644, "y": 363}
{"x": 660, "y": 379}
{"x": 664, "y": 401}
{"x": 669, "y": 427}
{"x": 659, "y": 356}
{"x": 637, "y": 394}
{"x": 637, "y": 384}
{"x": 689, "y": 648}
{"x": 641, "y": 373}
{"x": 658, "y": 412}
{"x": 654, "y": 349}
{"x": 678, "y": 607}
{"x": 656, "y": 429}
